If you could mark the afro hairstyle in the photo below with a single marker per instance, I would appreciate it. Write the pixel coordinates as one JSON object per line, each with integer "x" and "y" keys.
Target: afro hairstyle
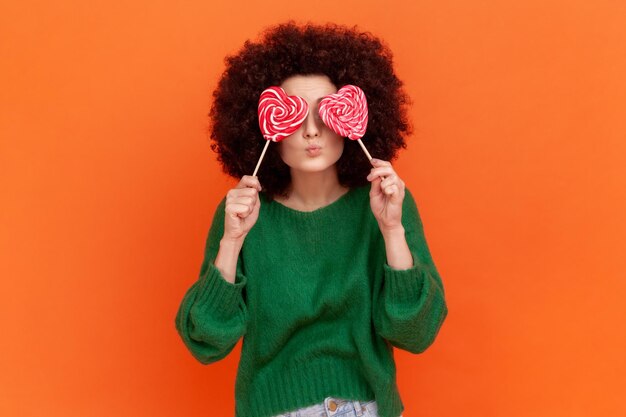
{"x": 346, "y": 56}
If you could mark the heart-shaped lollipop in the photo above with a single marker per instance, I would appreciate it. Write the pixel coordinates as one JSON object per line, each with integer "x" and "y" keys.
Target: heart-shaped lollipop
{"x": 280, "y": 115}
{"x": 345, "y": 112}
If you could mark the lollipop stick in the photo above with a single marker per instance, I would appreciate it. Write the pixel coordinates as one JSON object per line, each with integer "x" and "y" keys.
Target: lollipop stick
{"x": 367, "y": 153}
{"x": 365, "y": 150}
{"x": 258, "y": 164}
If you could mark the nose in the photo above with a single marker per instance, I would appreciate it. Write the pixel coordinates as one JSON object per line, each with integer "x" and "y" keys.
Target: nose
{"x": 311, "y": 126}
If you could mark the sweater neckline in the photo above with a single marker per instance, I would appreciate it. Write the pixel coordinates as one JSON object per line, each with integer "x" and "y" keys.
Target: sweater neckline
{"x": 335, "y": 205}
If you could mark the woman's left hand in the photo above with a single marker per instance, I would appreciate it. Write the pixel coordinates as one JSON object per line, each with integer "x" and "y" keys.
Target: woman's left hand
{"x": 386, "y": 195}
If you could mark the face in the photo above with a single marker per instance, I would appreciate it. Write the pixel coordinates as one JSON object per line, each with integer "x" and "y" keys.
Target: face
{"x": 314, "y": 147}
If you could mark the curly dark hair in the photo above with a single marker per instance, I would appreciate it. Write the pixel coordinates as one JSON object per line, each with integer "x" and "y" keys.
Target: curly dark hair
{"x": 346, "y": 56}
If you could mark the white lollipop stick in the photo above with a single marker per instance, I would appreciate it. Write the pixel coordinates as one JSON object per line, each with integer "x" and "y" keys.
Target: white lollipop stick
{"x": 368, "y": 155}
{"x": 365, "y": 150}
{"x": 258, "y": 164}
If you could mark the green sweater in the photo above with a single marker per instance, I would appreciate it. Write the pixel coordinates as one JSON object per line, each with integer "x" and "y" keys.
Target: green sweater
{"x": 317, "y": 305}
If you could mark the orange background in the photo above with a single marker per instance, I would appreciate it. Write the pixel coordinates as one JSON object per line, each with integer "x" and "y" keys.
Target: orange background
{"x": 108, "y": 187}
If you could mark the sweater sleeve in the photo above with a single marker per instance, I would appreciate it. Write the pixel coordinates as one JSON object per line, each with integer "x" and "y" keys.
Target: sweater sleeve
{"x": 213, "y": 314}
{"x": 411, "y": 306}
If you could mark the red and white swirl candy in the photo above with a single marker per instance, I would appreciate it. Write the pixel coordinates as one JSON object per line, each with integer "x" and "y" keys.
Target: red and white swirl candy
{"x": 345, "y": 112}
{"x": 280, "y": 115}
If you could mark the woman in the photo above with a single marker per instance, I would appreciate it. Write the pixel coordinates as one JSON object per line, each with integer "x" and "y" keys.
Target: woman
{"x": 319, "y": 263}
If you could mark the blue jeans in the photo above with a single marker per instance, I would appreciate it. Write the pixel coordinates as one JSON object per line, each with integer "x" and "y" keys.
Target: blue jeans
{"x": 336, "y": 407}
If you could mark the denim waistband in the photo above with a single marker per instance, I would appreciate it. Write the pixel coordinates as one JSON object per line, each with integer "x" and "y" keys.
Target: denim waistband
{"x": 333, "y": 406}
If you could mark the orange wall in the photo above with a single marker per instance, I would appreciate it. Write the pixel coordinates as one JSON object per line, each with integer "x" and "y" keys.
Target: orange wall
{"x": 108, "y": 186}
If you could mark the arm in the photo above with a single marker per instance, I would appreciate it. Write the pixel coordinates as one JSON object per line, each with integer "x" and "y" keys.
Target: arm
{"x": 397, "y": 249}
{"x": 212, "y": 316}
{"x": 411, "y": 306}
{"x": 227, "y": 258}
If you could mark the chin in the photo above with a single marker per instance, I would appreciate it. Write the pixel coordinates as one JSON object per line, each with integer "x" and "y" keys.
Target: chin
{"x": 312, "y": 168}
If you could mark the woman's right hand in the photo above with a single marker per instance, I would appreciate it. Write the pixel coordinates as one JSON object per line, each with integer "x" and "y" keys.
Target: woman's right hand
{"x": 242, "y": 208}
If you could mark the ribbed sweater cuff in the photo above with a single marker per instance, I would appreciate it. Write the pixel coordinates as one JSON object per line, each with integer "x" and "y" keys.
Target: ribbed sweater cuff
{"x": 403, "y": 284}
{"x": 219, "y": 296}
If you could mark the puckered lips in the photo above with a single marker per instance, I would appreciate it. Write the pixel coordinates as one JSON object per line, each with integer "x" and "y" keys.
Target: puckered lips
{"x": 313, "y": 149}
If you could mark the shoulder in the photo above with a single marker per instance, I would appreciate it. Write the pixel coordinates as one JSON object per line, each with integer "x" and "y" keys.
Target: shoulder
{"x": 220, "y": 209}
{"x": 409, "y": 199}
{"x": 217, "y": 224}
{"x": 410, "y": 213}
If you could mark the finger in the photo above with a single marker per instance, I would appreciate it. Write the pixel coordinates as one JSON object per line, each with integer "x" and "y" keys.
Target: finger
{"x": 380, "y": 162}
{"x": 375, "y": 189}
{"x": 249, "y": 181}
{"x": 239, "y": 192}
{"x": 396, "y": 196}
{"x": 242, "y": 210}
{"x": 391, "y": 189}
{"x": 244, "y": 199}
{"x": 392, "y": 179}
{"x": 257, "y": 204}
{"x": 384, "y": 168}
{"x": 381, "y": 172}
{"x": 387, "y": 181}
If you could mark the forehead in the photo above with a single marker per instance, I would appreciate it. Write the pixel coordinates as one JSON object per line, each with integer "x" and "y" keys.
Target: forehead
{"x": 310, "y": 87}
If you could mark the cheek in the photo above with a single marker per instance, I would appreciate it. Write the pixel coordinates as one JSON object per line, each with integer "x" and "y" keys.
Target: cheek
{"x": 284, "y": 149}
{"x": 281, "y": 151}
{"x": 338, "y": 144}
